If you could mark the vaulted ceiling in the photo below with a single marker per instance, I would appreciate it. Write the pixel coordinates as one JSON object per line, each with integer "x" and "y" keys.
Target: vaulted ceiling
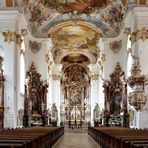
{"x": 107, "y": 15}
{"x": 75, "y": 26}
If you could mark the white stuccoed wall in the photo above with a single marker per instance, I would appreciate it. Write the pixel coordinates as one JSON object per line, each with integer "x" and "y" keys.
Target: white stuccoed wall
{"x": 112, "y": 58}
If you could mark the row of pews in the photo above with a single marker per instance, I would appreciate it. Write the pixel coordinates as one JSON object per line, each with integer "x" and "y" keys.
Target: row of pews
{"x": 35, "y": 137}
{"x": 118, "y": 137}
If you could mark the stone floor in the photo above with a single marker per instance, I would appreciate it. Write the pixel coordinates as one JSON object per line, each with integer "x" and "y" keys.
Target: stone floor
{"x": 76, "y": 140}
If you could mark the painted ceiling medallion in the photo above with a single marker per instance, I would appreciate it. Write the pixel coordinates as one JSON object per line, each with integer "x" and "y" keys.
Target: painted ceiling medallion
{"x": 116, "y": 46}
{"x": 75, "y": 37}
{"x": 75, "y": 58}
{"x": 75, "y": 6}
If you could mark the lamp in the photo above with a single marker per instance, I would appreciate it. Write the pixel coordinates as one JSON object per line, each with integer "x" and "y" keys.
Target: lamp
{"x": 136, "y": 81}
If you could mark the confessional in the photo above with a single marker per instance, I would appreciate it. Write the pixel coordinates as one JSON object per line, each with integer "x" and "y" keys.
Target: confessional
{"x": 115, "y": 90}
{"x": 35, "y": 109}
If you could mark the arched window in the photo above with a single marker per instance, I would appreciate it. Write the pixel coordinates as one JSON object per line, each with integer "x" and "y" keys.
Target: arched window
{"x": 22, "y": 68}
{"x": 129, "y": 57}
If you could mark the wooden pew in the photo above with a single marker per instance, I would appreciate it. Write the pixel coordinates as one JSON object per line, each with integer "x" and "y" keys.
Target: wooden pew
{"x": 36, "y": 137}
{"x": 115, "y": 137}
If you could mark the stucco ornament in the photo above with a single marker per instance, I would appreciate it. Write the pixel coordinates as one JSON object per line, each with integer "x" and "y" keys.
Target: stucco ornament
{"x": 34, "y": 46}
{"x": 116, "y": 46}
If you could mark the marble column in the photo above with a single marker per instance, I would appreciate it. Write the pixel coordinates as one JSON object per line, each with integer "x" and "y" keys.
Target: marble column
{"x": 9, "y": 26}
{"x": 56, "y": 89}
{"x": 94, "y": 85}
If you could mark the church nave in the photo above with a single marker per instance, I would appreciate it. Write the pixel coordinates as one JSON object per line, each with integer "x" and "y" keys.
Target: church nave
{"x": 76, "y": 140}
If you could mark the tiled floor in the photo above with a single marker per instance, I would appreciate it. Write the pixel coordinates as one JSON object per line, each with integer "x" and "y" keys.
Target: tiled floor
{"x": 76, "y": 140}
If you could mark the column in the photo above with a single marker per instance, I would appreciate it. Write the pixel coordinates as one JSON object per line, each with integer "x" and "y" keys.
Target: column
{"x": 8, "y": 21}
{"x": 56, "y": 89}
{"x": 94, "y": 94}
{"x": 49, "y": 60}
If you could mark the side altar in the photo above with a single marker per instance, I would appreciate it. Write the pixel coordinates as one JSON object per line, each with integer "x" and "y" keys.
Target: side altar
{"x": 115, "y": 90}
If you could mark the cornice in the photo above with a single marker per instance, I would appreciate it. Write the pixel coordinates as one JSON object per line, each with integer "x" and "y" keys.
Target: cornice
{"x": 141, "y": 11}
{"x": 9, "y": 14}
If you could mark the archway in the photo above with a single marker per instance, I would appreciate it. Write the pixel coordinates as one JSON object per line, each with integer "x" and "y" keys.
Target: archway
{"x": 75, "y": 109}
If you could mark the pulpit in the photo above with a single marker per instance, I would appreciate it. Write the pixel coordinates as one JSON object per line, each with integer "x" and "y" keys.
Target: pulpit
{"x": 35, "y": 109}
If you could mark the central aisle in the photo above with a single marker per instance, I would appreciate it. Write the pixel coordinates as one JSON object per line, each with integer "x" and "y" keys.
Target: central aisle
{"x": 76, "y": 140}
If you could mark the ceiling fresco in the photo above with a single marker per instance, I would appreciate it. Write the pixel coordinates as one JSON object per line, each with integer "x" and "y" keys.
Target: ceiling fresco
{"x": 75, "y": 26}
{"x": 107, "y": 15}
{"x": 75, "y": 37}
{"x": 75, "y": 6}
{"x": 75, "y": 58}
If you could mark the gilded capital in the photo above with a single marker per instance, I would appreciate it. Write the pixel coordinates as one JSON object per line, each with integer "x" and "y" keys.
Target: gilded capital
{"x": 95, "y": 76}
{"x": 55, "y": 77}
{"x": 9, "y": 36}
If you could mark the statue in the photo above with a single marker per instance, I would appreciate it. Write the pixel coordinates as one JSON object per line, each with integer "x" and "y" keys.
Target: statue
{"x": 54, "y": 112}
{"x": 96, "y": 114}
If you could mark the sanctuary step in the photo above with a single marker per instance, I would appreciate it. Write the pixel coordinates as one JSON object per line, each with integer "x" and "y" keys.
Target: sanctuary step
{"x": 76, "y": 130}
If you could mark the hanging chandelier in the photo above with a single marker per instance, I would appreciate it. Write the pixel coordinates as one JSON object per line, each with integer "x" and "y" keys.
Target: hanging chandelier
{"x": 137, "y": 98}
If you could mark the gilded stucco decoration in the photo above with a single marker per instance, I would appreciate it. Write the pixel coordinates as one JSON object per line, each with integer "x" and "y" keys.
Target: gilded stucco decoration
{"x": 11, "y": 36}
{"x": 24, "y": 32}
{"x": 19, "y": 39}
{"x": 49, "y": 61}
{"x": 56, "y": 77}
{"x": 95, "y": 77}
{"x": 143, "y": 34}
{"x": 34, "y": 46}
{"x": 133, "y": 37}
{"x": 116, "y": 46}
{"x": 139, "y": 34}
